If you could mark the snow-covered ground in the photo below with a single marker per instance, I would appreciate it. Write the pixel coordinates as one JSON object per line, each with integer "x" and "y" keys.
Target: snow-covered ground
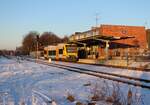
{"x": 18, "y": 81}
{"x": 133, "y": 73}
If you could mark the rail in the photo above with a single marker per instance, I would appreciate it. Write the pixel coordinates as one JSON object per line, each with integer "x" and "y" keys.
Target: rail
{"x": 105, "y": 75}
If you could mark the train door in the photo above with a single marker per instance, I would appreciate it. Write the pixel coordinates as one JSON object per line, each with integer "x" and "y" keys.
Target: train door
{"x": 82, "y": 53}
{"x": 57, "y": 54}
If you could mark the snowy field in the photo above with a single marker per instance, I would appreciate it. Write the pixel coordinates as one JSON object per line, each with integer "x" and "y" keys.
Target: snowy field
{"x": 19, "y": 80}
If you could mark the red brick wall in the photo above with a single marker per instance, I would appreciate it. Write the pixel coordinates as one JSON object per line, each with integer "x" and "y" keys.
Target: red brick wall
{"x": 148, "y": 37}
{"x": 119, "y": 30}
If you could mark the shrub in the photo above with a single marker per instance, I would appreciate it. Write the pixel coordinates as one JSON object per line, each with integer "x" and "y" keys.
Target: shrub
{"x": 79, "y": 103}
{"x": 70, "y": 97}
{"x": 91, "y": 103}
{"x": 115, "y": 95}
{"x": 99, "y": 92}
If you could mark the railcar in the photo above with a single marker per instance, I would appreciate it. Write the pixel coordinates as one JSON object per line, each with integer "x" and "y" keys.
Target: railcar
{"x": 65, "y": 52}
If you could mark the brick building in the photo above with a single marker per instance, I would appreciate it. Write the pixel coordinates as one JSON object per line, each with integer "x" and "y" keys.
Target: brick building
{"x": 132, "y": 46}
{"x": 139, "y": 40}
{"x": 148, "y": 37}
{"x": 138, "y": 32}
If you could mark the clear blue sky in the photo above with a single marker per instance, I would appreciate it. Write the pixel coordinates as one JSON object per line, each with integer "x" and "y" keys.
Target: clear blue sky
{"x": 64, "y": 17}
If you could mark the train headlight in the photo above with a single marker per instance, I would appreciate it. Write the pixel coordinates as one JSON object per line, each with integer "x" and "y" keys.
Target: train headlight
{"x": 49, "y": 60}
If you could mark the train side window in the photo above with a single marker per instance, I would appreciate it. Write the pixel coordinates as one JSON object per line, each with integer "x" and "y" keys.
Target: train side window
{"x": 52, "y": 52}
{"x": 60, "y": 51}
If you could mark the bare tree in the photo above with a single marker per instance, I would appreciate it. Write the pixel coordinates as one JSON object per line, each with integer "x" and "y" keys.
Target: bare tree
{"x": 65, "y": 39}
{"x": 45, "y": 39}
{"x": 49, "y": 38}
{"x": 29, "y": 42}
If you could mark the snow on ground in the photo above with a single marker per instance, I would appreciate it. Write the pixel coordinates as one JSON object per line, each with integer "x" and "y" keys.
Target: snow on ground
{"x": 19, "y": 80}
{"x": 139, "y": 64}
{"x": 133, "y": 73}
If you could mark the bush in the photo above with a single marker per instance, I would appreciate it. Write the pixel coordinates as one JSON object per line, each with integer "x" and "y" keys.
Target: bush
{"x": 115, "y": 95}
{"x": 91, "y": 103}
{"x": 79, "y": 103}
{"x": 109, "y": 99}
{"x": 99, "y": 92}
{"x": 70, "y": 97}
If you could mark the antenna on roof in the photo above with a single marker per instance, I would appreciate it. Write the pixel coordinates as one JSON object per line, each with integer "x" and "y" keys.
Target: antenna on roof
{"x": 146, "y": 24}
{"x": 96, "y": 19}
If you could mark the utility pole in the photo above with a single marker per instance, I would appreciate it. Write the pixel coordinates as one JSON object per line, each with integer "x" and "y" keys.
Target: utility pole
{"x": 37, "y": 45}
{"x": 95, "y": 33}
{"x": 146, "y": 24}
{"x": 96, "y": 19}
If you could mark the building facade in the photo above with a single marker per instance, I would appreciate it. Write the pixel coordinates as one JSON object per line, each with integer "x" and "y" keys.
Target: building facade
{"x": 148, "y": 37}
{"x": 108, "y": 35}
{"x": 138, "y": 32}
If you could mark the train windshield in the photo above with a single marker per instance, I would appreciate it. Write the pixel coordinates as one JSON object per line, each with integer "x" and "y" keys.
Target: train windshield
{"x": 71, "y": 48}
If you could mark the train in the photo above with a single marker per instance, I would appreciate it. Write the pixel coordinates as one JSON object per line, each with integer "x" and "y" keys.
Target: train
{"x": 62, "y": 51}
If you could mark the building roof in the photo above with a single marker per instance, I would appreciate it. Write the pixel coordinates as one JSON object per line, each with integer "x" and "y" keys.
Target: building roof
{"x": 100, "y": 40}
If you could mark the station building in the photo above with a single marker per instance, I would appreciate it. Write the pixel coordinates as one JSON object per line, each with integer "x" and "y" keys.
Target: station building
{"x": 148, "y": 37}
{"x": 110, "y": 41}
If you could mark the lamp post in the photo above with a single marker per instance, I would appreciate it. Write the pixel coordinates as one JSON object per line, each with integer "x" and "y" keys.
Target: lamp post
{"x": 107, "y": 46}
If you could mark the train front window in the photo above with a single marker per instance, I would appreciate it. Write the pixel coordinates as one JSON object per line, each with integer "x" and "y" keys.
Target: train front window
{"x": 53, "y": 52}
{"x": 71, "y": 48}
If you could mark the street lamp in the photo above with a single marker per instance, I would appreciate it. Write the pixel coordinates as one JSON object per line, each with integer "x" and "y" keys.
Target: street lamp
{"x": 107, "y": 47}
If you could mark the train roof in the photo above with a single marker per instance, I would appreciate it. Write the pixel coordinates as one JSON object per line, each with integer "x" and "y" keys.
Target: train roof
{"x": 60, "y": 46}
{"x": 51, "y": 47}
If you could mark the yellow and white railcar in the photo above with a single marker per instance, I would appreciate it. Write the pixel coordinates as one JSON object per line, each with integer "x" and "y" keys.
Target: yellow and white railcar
{"x": 50, "y": 52}
{"x": 62, "y": 51}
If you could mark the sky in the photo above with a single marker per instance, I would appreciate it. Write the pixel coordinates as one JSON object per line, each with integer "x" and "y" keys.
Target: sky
{"x": 64, "y": 17}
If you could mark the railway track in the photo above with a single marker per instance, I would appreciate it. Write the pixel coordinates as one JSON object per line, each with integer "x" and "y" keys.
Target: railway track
{"x": 139, "y": 82}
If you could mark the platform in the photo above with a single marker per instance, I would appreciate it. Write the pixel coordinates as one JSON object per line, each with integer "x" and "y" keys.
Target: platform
{"x": 117, "y": 63}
